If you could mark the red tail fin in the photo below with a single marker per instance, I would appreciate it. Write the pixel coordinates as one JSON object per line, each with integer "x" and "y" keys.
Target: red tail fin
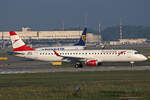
{"x": 24, "y": 48}
{"x": 18, "y": 44}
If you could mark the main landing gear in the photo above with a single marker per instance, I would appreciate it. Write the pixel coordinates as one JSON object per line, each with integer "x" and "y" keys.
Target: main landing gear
{"x": 78, "y": 65}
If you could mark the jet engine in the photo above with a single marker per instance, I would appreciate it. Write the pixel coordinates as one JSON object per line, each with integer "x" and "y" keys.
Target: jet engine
{"x": 93, "y": 63}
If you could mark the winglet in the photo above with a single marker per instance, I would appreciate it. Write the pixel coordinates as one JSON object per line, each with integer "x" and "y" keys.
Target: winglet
{"x": 56, "y": 53}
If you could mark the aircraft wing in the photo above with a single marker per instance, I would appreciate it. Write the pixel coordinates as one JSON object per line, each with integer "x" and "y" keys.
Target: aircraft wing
{"x": 70, "y": 58}
{"x": 14, "y": 53}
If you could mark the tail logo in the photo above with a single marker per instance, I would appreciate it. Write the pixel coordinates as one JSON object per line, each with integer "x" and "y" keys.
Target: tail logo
{"x": 83, "y": 37}
{"x": 122, "y": 52}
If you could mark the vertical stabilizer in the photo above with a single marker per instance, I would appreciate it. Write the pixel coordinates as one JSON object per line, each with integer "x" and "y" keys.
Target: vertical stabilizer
{"x": 82, "y": 38}
{"x": 18, "y": 44}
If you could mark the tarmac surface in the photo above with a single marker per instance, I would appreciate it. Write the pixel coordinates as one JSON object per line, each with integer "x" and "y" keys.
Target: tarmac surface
{"x": 22, "y": 65}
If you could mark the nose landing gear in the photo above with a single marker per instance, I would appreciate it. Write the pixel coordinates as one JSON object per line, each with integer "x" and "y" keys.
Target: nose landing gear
{"x": 132, "y": 65}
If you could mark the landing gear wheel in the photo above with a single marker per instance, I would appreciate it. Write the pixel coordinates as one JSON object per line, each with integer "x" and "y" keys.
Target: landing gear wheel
{"x": 132, "y": 65}
{"x": 78, "y": 65}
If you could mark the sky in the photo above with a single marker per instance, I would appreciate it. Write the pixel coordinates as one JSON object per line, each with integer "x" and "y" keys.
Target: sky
{"x": 73, "y": 13}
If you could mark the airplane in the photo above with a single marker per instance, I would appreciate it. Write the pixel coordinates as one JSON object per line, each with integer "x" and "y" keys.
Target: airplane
{"x": 80, "y": 45}
{"x": 78, "y": 57}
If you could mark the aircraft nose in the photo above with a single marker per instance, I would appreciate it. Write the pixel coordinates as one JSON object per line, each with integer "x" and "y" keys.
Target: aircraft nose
{"x": 144, "y": 58}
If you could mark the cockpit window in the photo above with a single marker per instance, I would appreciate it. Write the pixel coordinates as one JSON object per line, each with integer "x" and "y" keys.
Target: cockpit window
{"x": 137, "y": 52}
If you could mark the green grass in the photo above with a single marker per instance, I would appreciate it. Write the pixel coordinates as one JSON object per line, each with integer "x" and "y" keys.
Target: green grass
{"x": 61, "y": 85}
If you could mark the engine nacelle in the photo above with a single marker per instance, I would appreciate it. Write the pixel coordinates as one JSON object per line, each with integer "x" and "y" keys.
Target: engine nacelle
{"x": 93, "y": 63}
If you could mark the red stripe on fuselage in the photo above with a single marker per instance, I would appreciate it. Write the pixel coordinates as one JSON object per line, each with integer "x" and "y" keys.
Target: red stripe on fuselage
{"x": 56, "y": 53}
{"x": 24, "y": 48}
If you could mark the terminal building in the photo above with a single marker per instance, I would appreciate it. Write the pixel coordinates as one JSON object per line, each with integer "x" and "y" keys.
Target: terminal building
{"x": 50, "y": 36}
{"x": 26, "y": 33}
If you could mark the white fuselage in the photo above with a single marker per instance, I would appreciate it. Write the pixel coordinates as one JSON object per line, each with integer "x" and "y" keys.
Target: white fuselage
{"x": 61, "y": 48}
{"x": 99, "y": 55}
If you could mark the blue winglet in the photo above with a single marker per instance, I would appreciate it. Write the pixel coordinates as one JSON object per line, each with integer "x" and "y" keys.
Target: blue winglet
{"x": 82, "y": 39}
